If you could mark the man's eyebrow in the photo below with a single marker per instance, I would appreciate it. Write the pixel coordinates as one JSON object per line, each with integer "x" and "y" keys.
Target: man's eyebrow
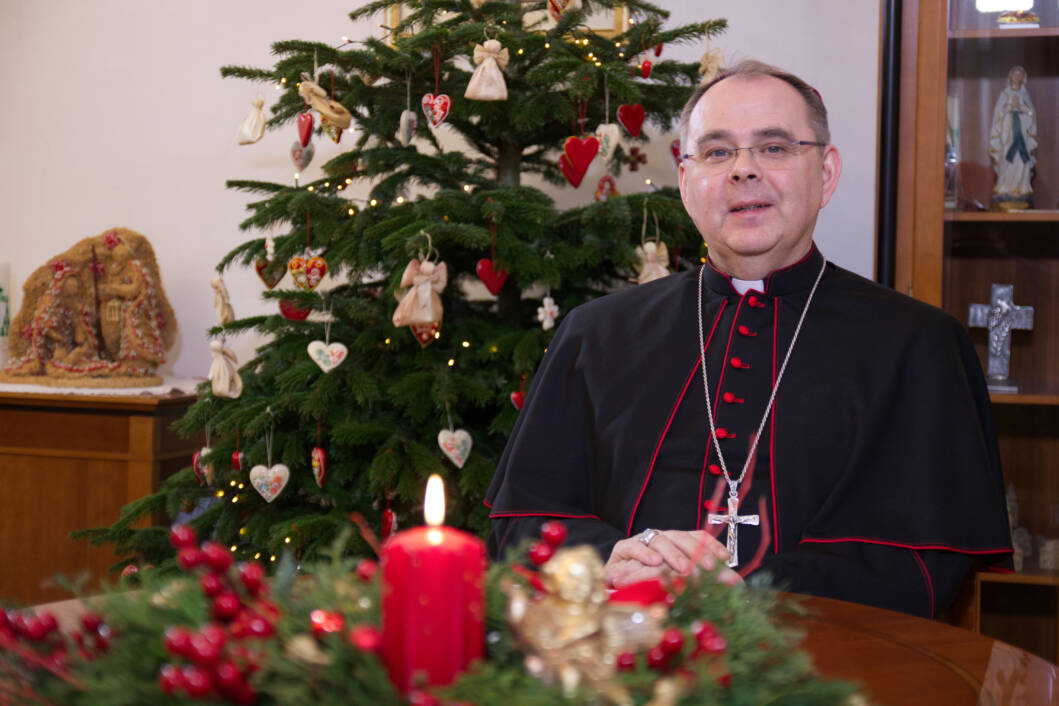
{"x": 726, "y": 135}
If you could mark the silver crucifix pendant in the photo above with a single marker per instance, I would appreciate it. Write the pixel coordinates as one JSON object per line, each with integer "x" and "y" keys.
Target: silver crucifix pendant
{"x": 733, "y": 519}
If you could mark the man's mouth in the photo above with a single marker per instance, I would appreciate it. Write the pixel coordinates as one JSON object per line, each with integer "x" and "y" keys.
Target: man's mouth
{"x": 748, "y": 207}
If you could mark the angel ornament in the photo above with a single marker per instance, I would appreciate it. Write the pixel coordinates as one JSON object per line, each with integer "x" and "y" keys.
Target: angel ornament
{"x": 652, "y": 255}
{"x": 223, "y": 306}
{"x": 224, "y": 373}
{"x": 420, "y": 304}
{"x": 487, "y": 82}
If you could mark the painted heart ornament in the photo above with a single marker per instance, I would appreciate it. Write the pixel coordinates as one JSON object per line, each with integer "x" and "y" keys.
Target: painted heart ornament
{"x": 327, "y": 356}
{"x": 307, "y": 273}
{"x": 301, "y": 155}
{"x": 456, "y": 445}
{"x": 631, "y": 118}
{"x": 319, "y": 463}
{"x": 203, "y": 471}
{"x": 237, "y": 460}
{"x": 608, "y": 135}
{"x": 305, "y": 127}
{"x": 425, "y": 333}
{"x": 436, "y": 108}
{"x": 269, "y": 482}
{"x": 492, "y": 277}
{"x": 269, "y": 272}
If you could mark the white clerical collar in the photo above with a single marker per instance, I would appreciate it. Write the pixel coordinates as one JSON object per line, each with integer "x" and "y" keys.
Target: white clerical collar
{"x": 745, "y": 285}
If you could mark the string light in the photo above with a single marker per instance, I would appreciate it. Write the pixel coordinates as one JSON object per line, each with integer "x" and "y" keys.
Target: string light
{"x": 286, "y": 540}
{"x": 647, "y": 181}
{"x": 327, "y": 184}
{"x": 309, "y": 188}
{"x": 547, "y": 45}
{"x": 220, "y": 493}
{"x": 437, "y": 334}
{"x": 467, "y": 188}
{"x": 348, "y": 180}
{"x": 232, "y": 484}
{"x": 466, "y": 344}
{"x": 599, "y": 64}
{"x": 257, "y": 555}
{"x": 283, "y": 80}
{"x": 387, "y": 342}
{"x": 242, "y": 531}
{"x": 493, "y": 349}
{"x": 452, "y": 362}
{"x": 351, "y": 211}
{"x": 235, "y": 499}
{"x": 233, "y": 547}
{"x": 241, "y": 486}
{"x": 297, "y": 176}
{"x": 400, "y": 199}
{"x": 520, "y": 50}
{"x": 272, "y": 558}
{"x": 374, "y": 203}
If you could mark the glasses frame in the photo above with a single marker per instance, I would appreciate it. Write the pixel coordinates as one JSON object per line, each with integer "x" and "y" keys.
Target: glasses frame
{"x": 750, "y": 149}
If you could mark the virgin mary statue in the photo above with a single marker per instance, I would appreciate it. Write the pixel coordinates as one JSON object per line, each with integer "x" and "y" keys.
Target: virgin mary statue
{"x": 1013, "y": 144}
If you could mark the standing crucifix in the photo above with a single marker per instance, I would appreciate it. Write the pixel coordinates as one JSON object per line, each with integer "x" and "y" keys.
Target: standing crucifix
{"x": 733, "y": 519}
{"x": 1001, "y": 316}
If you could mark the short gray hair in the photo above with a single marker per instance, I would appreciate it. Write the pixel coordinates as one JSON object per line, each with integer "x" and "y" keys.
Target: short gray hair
{"x": 750, "y": 67}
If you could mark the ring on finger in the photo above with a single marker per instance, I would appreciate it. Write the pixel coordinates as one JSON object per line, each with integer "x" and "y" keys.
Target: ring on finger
{"x": 647, "y": 535}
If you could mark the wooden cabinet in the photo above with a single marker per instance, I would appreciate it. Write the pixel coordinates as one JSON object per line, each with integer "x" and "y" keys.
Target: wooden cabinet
{"x": 71, "y": 462}
{"x": 954, "y": 242}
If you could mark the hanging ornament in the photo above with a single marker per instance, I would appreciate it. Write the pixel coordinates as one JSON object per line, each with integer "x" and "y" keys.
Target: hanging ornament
{"x": 224, "y": 373}
{"x": 487, "y": 81}
{"x": 608, "y": 135}
{"x": 556, "y": 8}
{"x": 658, "y": 49}
{"x": 237, "y": 455}
{"x": 270, "y": 248}
{"x": 491, "y": 276}
{"x": 324, "y": 353}
{"x": 420, "y": 304}
{"x": 268, "y": 272}
{"x": 221, "y": 303}
{"x": 518, "y": 398}
{"x": 319, "y": 464}
{"x": 292, "y": 312}
{"x": 674, "y": 149}
{"x": 436, "y": 105}
{"x": 406, "y": 130}
{"x": 631, "y": 118}
{"x": 606, "y": 188}
{"x": 547, "y": 312}
{"x": 252, "y": 128}
{"x": 269, "y": 480}
{"x": 710, "y": 64}
{"x": 305, "y": 127}
{"x": 301, "y": 156}
{"x": 307, "y": 272}
{"x": 652, "y": 255}
{"x": 389, "y": 523}
{"x": 316, "y": 97}
{"x": 202, "y": 471}
{"x": 580, "y": 152}
{"x": 425, "y": 333}
{"x": 645, "y": 69}
{"x": 456, "y": 445}
{"x": 635, "y": 158}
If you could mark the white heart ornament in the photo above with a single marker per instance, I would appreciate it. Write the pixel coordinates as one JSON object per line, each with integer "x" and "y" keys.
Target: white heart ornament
{"x": 328, "y": 357}
{"x": 608, "y": 134}
{"x": 456, "y": 445}
{"x": 269, "y": 482}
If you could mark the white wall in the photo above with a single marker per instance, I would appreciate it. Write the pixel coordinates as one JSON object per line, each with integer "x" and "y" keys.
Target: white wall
{"x": 116, "y": 115}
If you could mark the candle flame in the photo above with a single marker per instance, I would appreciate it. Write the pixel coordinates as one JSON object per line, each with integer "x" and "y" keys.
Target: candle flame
{"x": 434, "y": 501}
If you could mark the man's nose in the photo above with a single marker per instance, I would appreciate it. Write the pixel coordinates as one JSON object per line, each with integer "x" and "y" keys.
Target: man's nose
{"x": 744, "y": 165}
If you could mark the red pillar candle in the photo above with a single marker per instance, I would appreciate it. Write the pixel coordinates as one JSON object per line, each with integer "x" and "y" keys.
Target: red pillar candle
{"x": 432, "y": 599}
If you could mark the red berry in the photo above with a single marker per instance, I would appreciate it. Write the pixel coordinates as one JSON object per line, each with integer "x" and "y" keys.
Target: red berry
{"x": 182, "y": 537}
{"x": 129, "y": 570}
{"x": 197, "y": 681}
{"x": 252, "y": 577}
{"x": 48, "y": 622}
{"x": 725, "y": 680}
{"x": 226, "y": 606}
{"x": 258, "y": 626}
{"x": 553, "y": 532}
{"x": 672, "y": 641}
{"x": 365, "y": 638}
{"x": 217, "y": 557}
{"x": 229, "y": 676}
{"x": 92, "y": 621}
{"x": 366, "y": 569}
{"x": 708, "y": 640}
{"x": 204, "y": 650}
{"x": 657, "y": 658}
{"x": 540, "y": 552}
{"x": 242, "y": 695}
{"x": 188, "y": 558}
{"x": 214, "y": 633}
{"x": 177, "y": 641}
{"x": 325, "y": 621}
{"x": 626, "y": 661}
{"x": 5, "y": 623}
{"x": 170, "y": 679}
{"x": 212, "y": 585}
{"x": 422, "y": 698}
{"x": 35, "y": 629}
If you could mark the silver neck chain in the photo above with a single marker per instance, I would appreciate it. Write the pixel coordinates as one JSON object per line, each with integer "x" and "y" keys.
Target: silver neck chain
{"x": 733, "y": 485}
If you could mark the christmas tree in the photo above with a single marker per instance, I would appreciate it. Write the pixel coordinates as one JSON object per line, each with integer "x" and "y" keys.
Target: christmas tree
{"x": 445, "y": 206}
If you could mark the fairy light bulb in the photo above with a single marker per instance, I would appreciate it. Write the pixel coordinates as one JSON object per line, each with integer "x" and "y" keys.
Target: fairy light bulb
{"x": 467, "y": 188}
{"x": 400, "y": 199}
{"x": 286, "y": 540}
{"x": 351, "y": 212}
{"x": 220, "y": 493}
{"x": 466, "y": 344}
{"x": 348, "y": 180}
{"x": 452, "y": 362}
{"x": 235, "y": 499}
{"x": 374, "y": 203}
{"x": 232, "y": 484}
{"x": 309, "y": 188}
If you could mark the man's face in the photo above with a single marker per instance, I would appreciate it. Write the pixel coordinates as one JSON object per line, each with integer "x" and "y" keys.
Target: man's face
{"x": 755, "y": 217}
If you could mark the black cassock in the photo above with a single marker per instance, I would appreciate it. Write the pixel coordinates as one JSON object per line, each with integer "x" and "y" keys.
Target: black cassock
{"x": 878, "y": 463}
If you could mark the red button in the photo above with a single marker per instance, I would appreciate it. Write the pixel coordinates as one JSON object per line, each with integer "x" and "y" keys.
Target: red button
{"x": 752, "y": 300}
{"x": 728, "y": 397}
{"x": 722, "y": 433}
{"x": 715, "y": 469}
{"x": 738, "y": 363}
{"x": 745, "y": 331}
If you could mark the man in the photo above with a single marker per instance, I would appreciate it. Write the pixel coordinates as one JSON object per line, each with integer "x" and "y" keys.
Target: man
{"x": 874, "y": 466}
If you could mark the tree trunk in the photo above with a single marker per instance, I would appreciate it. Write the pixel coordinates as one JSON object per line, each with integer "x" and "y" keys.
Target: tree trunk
{"x": 509, "y": 163}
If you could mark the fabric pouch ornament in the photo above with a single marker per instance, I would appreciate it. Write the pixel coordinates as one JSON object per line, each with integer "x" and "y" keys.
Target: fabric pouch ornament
{"x": 224, "y": 372}
{"x": 487, "y": 82}
{"x": 608, "y": 135}
{"x": 406, "y": 129}
{"x": 252, "y": 128}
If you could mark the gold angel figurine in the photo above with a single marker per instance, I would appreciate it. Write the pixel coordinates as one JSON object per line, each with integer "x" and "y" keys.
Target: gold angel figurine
{"x": 653, "y": 262}
{"x": 487, "y": 82}
{"x": 420, "y": 304}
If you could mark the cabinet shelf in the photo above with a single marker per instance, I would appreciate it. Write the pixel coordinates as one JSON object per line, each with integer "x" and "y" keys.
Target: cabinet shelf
{"x": 1004, "y": 33}
{"x": 1030, "y": 398}
{"x": 1029, "y": 216}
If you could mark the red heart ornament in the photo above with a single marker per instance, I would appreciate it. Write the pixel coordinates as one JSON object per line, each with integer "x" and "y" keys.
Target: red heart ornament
{"x": 493, "y": 279}
{"x": 319, "y": 462}
{"x": 631, "y": 118}
{"x": 291, "y": 311}
{"x": 237, "y": 460}
{"x": 572, "y": 174}
{"x": 305, "y": 127}
{"x": 436, "y": 108}
{"x": 269, "y": 272}
{"x": 518, "y": 399}
{"x": 581, "y": 152}
{"x": 658, "y": 50}
{"x": 425, "y": 333}
{"x": 645, "y": 69}
{"x": 674, "y": 149}
{"x": 389, "y": 523}
{"x": 307, "y": 273}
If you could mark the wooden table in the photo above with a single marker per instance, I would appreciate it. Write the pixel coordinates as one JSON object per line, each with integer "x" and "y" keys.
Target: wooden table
{"x": 900, "y": 659}
{"x": 70, "y": 462}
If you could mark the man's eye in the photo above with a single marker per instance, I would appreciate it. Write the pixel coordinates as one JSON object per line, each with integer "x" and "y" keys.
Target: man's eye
{"x": 773, "y": 149}
{"x": 718, "y": 154}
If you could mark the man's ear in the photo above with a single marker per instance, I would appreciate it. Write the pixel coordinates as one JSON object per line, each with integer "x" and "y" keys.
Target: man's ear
{"x": 830, "y": 171}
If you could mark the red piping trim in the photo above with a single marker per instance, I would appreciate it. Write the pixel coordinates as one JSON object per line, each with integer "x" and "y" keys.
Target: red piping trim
{"x": 724, "y": 368}
{"x": 487, "y": 504}
{"x": 926, "y": 577}
{"x": 722, "y": 274}
{"x": 772, "y": 432}
{"x": 672, "y": 415}
{"x": 913, "y": 547}
{"x": 768, "y": 280}
{"x": 543, "y": 514}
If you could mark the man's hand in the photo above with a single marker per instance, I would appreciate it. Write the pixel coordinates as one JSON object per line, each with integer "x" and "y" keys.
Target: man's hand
{"x": 670, "y": 552}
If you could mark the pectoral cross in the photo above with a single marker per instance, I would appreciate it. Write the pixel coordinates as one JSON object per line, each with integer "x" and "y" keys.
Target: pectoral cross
{"x": 733, "y": 519}
{"x": 1001, "y": 316}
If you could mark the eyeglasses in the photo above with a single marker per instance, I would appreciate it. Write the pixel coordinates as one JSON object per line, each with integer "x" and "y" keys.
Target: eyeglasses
{"x": 775, "y": 154}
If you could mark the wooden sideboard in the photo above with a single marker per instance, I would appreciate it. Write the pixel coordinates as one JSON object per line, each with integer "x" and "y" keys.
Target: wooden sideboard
{"x": 70, "y": 462}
